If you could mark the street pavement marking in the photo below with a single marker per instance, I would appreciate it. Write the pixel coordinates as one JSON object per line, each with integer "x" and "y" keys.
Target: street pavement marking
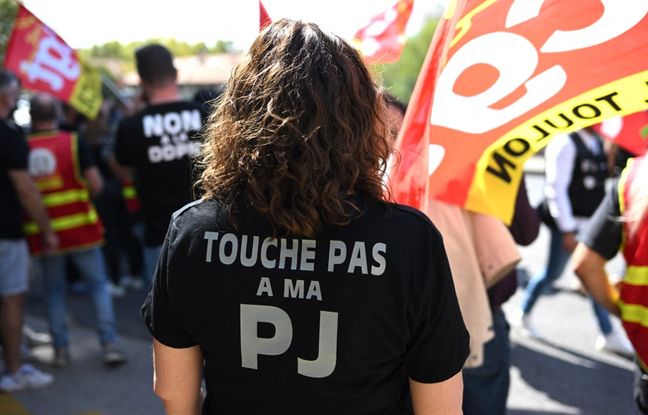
{"x": 10, "y": 406}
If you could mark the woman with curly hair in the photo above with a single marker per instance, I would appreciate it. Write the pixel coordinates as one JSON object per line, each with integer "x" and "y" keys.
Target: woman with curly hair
{"x": 292, "y": 285}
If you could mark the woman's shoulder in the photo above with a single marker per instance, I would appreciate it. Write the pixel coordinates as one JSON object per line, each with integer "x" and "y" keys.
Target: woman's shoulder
{"x": 390, "y": 211}
{"x": 405, "y": 220}
{"x": 200, "y": 213}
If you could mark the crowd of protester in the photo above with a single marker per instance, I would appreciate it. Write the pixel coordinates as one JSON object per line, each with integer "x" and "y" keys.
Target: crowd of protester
{"x": 85, "y": 220}
{"x": 88, "y": 203}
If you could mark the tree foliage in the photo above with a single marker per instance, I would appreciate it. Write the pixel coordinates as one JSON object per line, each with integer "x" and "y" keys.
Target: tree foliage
{"x": 8, "y": 11}
{"x": 400, "y": 77}
{"x": 123, "y": 54}
{"x": 126, "y": 51}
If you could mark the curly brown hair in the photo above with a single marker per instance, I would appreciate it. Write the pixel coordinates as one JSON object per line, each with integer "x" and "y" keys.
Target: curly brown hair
{"x": 298, "y": 130}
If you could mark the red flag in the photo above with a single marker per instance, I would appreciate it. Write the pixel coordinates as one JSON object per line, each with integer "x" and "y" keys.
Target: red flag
{"x": 629, "y": 132}
{"x": 500, "y": 79}
{"x": 44, "y": 62}
{"x": 264, "y": 18}
{"x": 383, "y": 38}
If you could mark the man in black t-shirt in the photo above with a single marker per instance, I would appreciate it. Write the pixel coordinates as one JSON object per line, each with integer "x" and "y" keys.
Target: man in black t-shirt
{"x": 17, "y": 191}
{"x": 155, "y": 147}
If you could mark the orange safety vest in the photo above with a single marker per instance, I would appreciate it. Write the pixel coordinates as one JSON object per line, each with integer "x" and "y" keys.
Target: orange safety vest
{"x": 634, "y": 288}
{"x": 54, "y": 165}
{"x": 129, "y": 194}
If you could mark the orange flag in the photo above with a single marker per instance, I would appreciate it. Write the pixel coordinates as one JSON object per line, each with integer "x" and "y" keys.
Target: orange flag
{"x": 500, "y": 79}
{"x": 264, "y": 18}
{"x": 383, "y": 38}
{"x": 44, "y": 62}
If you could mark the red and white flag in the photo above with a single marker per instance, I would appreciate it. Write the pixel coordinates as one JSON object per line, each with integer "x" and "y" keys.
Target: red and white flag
{"x": 500, "y": 79}
{"x": 264, "y": 18}
{"x": 383, "y": 38}
{"x": 44, "y": 62}
{"x": 629, "y": 132}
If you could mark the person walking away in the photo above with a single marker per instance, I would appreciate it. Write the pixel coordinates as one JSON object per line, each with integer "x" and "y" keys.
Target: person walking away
{"x": 621, "y": 224}
{"x": 64, "y": 171}
{"x": 17, "y": 192}
{"x": 486, "y": 387}
{"x": 576, "y": 170}
{"x": 110, "y": 204}
{"x": 154, "y": 148}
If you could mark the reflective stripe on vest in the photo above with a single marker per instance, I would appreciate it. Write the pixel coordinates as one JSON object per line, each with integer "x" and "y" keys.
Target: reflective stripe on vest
{"x": 65, "y": 223}
{"x": 634, "y": 313}
{"x": 49, "y": 184}
{"x": 633, "y": 303}
{"x": 65, "y": 197}
{"x": 636, "y": 275}
{"x": 128, "y": 192}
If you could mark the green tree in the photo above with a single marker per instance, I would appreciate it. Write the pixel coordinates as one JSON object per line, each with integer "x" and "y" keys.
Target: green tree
{"x": 124, "y": 53}
{"x": 8, "y": 11}
{"x": 112, "y": 49}
{"x": 223, "y": 46}
{"x": 400, "y": 77}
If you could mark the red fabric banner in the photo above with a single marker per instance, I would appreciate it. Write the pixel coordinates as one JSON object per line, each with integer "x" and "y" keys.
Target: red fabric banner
{"x": 264, "y": 18}
{"x": 44, "y": 62}
{"x": 500, "y": 79}
{"x": 383, "y": 38}
{"x": 629, "y": 132}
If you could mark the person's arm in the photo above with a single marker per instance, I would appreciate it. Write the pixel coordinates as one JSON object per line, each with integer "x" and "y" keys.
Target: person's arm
{"x": 89, "y": 168}
{"x": 560, "y": 157}
{"x": 439, "y": 345}
{"x": 121, "y": 158}
{"x": 589, "y": 266}
{"x": 610, "y": 149}
{"x": 95, "y": 181}
{"x": 30, "y": 198}
{"x": 120, "y": 171}
{"x": 600, "y": 241}
{"x": 177, "y": 358}
{"x": 177, "y": 377}
{"x": 443, "y": 398}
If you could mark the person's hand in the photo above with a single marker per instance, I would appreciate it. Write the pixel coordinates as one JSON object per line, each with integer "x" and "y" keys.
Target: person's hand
{"x": 569, "y": 241}
{"x": 50, "y": 241}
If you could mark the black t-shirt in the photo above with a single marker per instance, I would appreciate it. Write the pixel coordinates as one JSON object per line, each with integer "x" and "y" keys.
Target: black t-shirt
{"x": 86, "y": 158}
{"x": 14, "y": 153}
{"x": 159, "y": 143}
{"x": 331, "y": 325}
{"x": 604, "y": 232}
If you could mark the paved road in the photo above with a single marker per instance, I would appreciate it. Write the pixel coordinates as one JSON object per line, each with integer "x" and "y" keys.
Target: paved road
{"x": 563, "y": 375}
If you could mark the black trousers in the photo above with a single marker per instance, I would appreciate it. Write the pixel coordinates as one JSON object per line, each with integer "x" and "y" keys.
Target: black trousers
{"x": 641, "y": 389}
{"x": 119, "y": 236}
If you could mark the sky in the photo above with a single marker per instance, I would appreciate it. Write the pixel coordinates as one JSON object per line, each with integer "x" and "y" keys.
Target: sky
{"x": 83, "y": 23}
